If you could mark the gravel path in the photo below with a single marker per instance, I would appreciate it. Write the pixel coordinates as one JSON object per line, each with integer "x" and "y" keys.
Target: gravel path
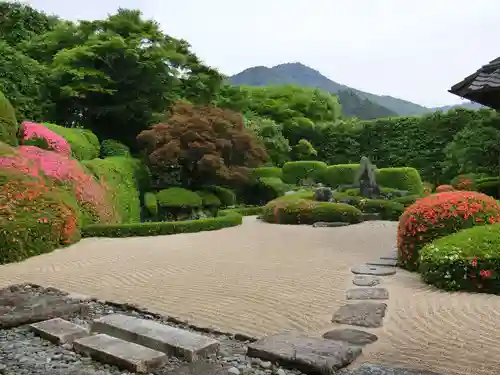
{"x": 259, "y": 278}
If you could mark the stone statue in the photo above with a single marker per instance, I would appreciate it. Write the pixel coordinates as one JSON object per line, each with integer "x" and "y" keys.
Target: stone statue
{"x": 365, "y": 179}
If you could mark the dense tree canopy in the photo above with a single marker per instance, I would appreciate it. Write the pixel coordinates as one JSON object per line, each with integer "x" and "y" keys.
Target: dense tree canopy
{"x": 204, "y": 143}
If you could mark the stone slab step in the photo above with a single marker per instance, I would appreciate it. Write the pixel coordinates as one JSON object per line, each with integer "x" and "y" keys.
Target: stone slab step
{"x": 305, "y": 353}
{"x": 363, "y": 314}
{"x": 365, "y": 293}
{"x": 59, "y": 331}
{"x": 170, "y": 340}
{"x": 365, "y": 269}
{"x": 123, "y": 354}
{"x": 361, "y": 280}
{"x": 351, "y": 336}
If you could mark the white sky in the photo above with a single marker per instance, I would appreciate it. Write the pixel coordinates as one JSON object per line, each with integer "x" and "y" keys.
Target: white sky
{"x": 414, "y": 50}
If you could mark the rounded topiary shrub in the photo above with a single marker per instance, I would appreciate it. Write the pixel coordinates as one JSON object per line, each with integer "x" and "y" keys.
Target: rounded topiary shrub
{"x": 407, "y": 200}
{"x": 84, "y": 144}
{"x": 8, "y": 122}
{"x": 468, "y": 260}
{"x": 439, "y": 215}
{"x": 295, "y": 172}
{"x": 178, "y": 197}
{"x": 404, "y": 178}
{"x": 305, "y": 211}
{"x": 267, "y": 172}
{"x": 209, "y": 199}
{"x": 110, "y": 147}
{"x": 151, "y": 204}
{"x": 388, "y": 210}
{"x": 444, "y": 188}
{"x": 226, "y": 196}
{"x": 340, "y": 174}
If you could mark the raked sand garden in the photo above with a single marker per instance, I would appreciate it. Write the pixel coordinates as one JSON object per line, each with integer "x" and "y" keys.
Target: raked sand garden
{"x": 259, "y": 279}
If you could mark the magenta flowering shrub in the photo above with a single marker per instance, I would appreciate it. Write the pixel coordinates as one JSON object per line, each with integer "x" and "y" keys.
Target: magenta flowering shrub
{"x": 91, "y": 194}
{"x": 55, "y": 141}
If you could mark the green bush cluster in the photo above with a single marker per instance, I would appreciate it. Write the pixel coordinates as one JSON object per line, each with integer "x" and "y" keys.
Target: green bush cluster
{"x": 151, "y": 204}
{"x": 388, "y": 210}
{"x": 8, "y": 122}
{"x": 125, "y": 179}
{"x": 404, "y": 178}
{"x": 163, "y": 227}
{"x": 301, "y": 209}
{"x": 84, "y": 144}
{"x": 110, "y": 147}
{"x": 407, "y": 200}
{"x": 226, "y": 196}
{"x": 468, "y": 260}
{"x": 340, "y": 174}
{"x": 209, "y": 199}
{"x": 267, "y": 172}
{"x": 177, "y": 197}
{"x": 295, "y": 172}
{"x": 489, "y": 186}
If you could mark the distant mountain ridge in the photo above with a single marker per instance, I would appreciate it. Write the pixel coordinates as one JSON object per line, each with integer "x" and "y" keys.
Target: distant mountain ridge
{"x": 367, "y": 106}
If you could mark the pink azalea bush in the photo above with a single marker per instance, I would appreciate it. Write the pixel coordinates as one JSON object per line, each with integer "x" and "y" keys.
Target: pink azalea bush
{"x": 90, "y": 194}
{"x": 55, "y": 141}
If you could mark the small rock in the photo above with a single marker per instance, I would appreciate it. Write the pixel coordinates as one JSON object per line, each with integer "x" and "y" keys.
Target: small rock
{"x": 280, "y": 372}
{"x": 266, "y": 365}
{"x": 234, "y": 371}
{"x": 361, "y": 280}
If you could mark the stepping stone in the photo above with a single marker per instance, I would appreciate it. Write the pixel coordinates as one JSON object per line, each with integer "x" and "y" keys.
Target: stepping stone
{"x": 19, "y": 308}
{"x": 367, "y": 216}
{"x": 367, "y": 293}
{"x": 383, "y": 262}
{"x": 361, "y": 280}
{"x": 170, "y": 340}
{"x": 363, "y": 314}
{"x": 322, "y": 224}
{"x": 369, "y": 369}
{"x": 58, "y": 331}
{"x": 351, "y": 336}
{"x": 123, "y": 354}
{"x": 365, "y": 269}
{"x": 200, "y": 368}
{"x": 304, "y": 353}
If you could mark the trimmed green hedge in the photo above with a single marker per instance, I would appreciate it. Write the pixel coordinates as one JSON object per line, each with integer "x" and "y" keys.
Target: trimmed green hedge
{"x": 489, "y": 186}
{"x": 125, "y": 178}
{"x": 294, "y": 172}
{"x": 341, "y": 174}
{"x": 8, "y": 122}
{"x": 178, "y": 197}
{"x": 404, "y": 178}
{"x": 151, "y": 203}
{"x": 84, "y": 144}
{"x": 110, "y": 147}
{"x": 244, "y": 211}
{"x": 226, "y": 196}
{"x": 388, "y": 210}
{"x": 468, "y": 260}
{"x": 162, "y": 228}
{"x": 209, "y": 199}
{"x": 293, "y": 209}
{"x": 407, "y": 200}
{"x": 267, "y": 172}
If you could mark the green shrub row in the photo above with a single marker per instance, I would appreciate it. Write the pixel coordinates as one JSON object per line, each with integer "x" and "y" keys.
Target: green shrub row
{"x": 84, "y": 144}
{"x": 267, "y": 172}
{"x": 404, "y": 178}
{"x": 162, "y": 228}
{"x": 341, "y": 174}
{"x": 295, "y": 172}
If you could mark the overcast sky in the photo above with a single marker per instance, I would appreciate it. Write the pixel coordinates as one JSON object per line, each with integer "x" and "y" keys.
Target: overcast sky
{"x": 414, "y": 50}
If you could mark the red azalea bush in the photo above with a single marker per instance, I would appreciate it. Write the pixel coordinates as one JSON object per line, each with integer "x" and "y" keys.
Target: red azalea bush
{"x": 443, "y": 188}
{"x": 439, "y": 215}
{"x": 32, "y": 130}
{"x": 35, "y": 216}
{"x": 90, "y": 194}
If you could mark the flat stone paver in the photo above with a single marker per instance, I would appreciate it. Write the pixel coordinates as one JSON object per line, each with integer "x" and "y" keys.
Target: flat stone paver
{"x": 173, "y": 341}
{"x": 308, "y": 354}
{"x": 59, "y": 331}
{"x": 363, "y": 314}
{"x": 351, "y": 336}
{"x": 361, "y": 280}
{"x": 383, "y": 262}
{"x": 123, "y": 354}
{"x": 18, "y": 308}
{"x": 367, "y": 293}
{"x": 365, "y": 269}
{"x": 200, "y": 368}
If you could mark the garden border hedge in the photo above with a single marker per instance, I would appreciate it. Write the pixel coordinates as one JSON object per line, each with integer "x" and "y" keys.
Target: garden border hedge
{"x": 160, "y": 228}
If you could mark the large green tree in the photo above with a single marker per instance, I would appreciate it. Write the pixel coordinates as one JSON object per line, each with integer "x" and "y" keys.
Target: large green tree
{"x": 115, "y": 76}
